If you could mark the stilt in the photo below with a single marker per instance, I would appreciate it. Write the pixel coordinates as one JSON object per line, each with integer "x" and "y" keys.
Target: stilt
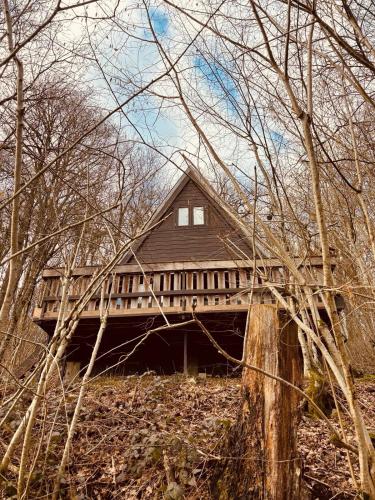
{"x": 72, "y": 371}
{"x": 185, "y": 354}
{"x": 190, "y": 361}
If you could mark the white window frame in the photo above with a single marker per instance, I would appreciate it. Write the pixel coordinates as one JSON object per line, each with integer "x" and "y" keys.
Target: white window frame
{"x": 198, "y": 216}
{"x": 183, "y": 216}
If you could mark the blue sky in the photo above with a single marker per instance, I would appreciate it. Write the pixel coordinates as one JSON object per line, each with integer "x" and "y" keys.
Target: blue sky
{"x": 217, "y": 79}
{"x": 159, "y": 21}
{"x": 158, "y": 120}
{"x": 133, "y": 62}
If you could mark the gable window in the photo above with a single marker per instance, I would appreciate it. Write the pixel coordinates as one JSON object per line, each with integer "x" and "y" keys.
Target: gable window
{"x": 183, "y": 216}
{"x": 191, "y": 216}
{"x": 198, "y": 216}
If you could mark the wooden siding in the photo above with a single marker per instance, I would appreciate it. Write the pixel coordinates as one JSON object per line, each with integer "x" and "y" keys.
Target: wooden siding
{"x": 171, "y": 243}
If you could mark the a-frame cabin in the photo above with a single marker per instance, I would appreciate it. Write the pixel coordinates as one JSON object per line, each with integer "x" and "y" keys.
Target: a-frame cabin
{"x": 195, "y": 229}
{"x": 194, "y": 258}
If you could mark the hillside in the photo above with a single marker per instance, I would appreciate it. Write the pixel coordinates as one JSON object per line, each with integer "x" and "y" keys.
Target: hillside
{"x": 137, "y": 434}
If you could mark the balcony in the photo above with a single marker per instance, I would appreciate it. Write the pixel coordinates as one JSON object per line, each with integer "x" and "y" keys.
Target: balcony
{"x": 174, "y": 288}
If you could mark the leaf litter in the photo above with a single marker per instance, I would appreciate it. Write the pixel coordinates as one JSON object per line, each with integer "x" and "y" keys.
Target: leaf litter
{"x": 154, "y": 437}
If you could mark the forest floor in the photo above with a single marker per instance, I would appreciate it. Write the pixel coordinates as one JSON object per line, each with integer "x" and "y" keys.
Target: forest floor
{"x": 136, "y": 431}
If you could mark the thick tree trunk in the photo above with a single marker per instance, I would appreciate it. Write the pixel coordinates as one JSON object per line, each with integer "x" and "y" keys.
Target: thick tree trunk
{"x": 261, "y": 449}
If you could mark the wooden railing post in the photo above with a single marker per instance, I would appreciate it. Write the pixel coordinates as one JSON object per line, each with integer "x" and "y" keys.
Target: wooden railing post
{"x": 264, "y": 436}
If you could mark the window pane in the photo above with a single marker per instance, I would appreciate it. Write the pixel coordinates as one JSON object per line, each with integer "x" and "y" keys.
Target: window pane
{"x": 183, "y": 216}
{"x": 198, "y": 216}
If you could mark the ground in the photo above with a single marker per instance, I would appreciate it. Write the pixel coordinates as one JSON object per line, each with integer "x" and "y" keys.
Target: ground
{"x": 137, "y": 434}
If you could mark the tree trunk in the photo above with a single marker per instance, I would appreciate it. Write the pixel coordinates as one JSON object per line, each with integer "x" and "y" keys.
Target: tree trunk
{"x": 262, "y": 444}
{"x": 14, "y": 264}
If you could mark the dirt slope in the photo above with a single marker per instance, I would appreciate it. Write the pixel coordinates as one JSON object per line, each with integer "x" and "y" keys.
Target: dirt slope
{"x": 136, "y": 434}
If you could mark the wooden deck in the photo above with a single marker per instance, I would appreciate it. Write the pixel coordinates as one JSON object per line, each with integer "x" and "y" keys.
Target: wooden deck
{"x": 206, "y": 286}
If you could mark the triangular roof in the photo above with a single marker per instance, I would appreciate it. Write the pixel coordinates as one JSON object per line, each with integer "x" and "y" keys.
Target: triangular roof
{"x": 191, "y": 174}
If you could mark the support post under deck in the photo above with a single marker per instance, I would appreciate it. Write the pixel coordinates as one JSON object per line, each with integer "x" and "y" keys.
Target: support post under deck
{"x": 72, "y": 371}
{"x": 185, "y": 354}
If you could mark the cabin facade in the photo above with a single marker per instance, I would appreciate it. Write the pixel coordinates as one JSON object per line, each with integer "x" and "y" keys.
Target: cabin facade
{"x": 193, "y": 258}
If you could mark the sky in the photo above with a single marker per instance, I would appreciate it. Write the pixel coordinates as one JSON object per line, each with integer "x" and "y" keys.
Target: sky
{"x": 127, "y": 58}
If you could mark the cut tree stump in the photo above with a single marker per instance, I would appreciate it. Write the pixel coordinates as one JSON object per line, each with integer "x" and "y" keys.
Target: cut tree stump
{"x": 261, "y": 448}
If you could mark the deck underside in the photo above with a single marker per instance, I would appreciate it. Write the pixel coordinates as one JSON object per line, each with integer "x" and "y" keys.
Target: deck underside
{"x": 162, "y": 352}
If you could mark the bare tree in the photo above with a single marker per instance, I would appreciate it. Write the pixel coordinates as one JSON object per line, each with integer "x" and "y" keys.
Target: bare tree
{"x": 281, "y": 61}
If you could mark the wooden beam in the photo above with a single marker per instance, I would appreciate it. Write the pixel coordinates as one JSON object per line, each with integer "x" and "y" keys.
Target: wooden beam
{"x": 39, "y": 316}
{"x": 152, "y": 311}
{"x": 314, "y": 261}
{"x": 208, "y": 291}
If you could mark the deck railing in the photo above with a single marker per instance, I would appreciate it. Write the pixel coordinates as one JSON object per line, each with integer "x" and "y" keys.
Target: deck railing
{"x": 132, "y": 292}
